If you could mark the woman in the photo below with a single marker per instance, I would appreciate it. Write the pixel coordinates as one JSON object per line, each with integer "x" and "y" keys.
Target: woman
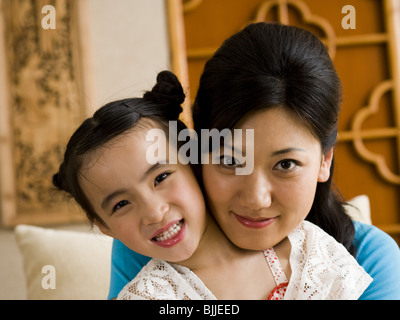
{"x": 264, "y": 72}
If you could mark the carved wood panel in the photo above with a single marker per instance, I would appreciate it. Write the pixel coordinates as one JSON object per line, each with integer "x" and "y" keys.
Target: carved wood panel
{"x": 368, "y": 62}
{"x": 42, "y": 104}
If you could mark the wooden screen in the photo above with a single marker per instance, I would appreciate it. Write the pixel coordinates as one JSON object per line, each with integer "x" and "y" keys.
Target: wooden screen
{"x": 364, "y": 43}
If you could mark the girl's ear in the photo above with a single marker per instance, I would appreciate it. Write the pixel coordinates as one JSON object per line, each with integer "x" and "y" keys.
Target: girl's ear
{"x": 325, "y": 170}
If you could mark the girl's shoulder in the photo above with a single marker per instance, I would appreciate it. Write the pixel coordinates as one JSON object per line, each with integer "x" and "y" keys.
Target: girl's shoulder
{"x": 160, "y": 280}
{"x": 379, "y": 255}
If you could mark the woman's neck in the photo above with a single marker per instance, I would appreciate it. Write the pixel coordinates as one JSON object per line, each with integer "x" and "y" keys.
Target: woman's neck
{"x": 224, "y": 268}
{"x": 214, "y": 248}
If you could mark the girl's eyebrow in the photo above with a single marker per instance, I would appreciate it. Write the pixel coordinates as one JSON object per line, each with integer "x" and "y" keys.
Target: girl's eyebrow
{"x": 106, "y": 201}
{"x": 287, "y": 150}
{"x": 110, "y": 197}
{"x": 151, "y": 169}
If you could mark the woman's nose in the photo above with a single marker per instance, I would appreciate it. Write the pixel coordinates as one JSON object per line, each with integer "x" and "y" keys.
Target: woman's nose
{"x": 255, "y": 193}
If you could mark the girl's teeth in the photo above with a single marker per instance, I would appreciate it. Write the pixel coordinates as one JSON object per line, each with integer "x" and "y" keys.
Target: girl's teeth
{"x": 170, "y": 233}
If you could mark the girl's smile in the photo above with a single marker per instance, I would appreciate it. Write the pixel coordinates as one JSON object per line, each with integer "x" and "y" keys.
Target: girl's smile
{"x": 170, "y": 235}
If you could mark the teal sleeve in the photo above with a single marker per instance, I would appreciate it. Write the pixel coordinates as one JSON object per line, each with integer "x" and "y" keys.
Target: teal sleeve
{"x": 379, "y": 255}
{"x": 125, "y": 265}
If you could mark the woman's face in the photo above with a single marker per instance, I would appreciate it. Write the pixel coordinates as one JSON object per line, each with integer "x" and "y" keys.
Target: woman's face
{"x": 259, "y": 210}
{"x": 156, "y": 210}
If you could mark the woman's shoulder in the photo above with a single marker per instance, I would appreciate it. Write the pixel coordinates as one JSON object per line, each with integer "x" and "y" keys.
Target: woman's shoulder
{"x": 379, "y": 255}
{"x": 324, "y": 267}
{"x": 370, "y": 240}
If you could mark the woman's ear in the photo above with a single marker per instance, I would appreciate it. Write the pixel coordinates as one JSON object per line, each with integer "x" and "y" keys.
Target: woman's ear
{"x": 325, "y": 170}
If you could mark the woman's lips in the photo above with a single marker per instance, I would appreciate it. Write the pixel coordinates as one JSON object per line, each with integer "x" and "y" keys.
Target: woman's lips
{"x": 170, "y": 235}
{"x": 255, "y": 223}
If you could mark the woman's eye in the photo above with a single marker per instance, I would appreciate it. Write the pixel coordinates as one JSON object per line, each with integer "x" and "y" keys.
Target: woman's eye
{"x": 229, "y": 161}
{"x": 286, "y": 165}
{"x": 160, "y": 178}
{"x": 120, "y": 205}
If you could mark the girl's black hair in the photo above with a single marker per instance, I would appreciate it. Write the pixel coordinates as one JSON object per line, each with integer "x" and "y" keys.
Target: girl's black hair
{"x": 162, "y": 104}
{"x": 267, "y": 65}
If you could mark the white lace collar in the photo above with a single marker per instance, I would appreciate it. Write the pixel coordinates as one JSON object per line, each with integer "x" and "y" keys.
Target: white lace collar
{"x": 321, "y": 269}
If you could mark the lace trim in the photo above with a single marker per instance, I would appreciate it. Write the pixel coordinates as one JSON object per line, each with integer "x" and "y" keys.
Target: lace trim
{"x": 321, "y": 269}
{"x": 324, "y": 268}
{"x": 275, "y": 266}
{"x": 160, "y": 280}
{"x": 278, "y": 293}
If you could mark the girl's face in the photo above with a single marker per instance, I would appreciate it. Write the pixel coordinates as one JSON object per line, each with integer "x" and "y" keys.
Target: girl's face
{"x": 259, "y": 210}
{"x": 156, "y": 210}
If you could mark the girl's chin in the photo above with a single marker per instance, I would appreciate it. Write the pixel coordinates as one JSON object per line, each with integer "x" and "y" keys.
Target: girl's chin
{"x": 179, "y": 257}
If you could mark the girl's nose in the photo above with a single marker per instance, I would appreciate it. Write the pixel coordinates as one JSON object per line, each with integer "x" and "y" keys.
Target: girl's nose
{"x": 154, "y": 213}
{"x": 255, "y": 193}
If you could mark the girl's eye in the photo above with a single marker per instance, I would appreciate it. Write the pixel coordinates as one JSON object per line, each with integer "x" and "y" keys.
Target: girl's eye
{"x": 286, "y": 165}
{"x": 160, "y": 178}
{"x": 120, "y": 205}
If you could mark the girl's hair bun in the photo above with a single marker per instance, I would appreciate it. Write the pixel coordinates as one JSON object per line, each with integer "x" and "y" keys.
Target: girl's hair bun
{"x": 59, "y": 178}
{"x": 168, "y": 93}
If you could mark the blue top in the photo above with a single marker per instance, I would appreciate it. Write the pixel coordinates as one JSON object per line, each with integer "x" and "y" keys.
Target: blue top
{"x": 377, "y": 253}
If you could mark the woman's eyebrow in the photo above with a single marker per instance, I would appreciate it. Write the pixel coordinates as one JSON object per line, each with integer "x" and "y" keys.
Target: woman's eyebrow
{"x": 287, "y": 150}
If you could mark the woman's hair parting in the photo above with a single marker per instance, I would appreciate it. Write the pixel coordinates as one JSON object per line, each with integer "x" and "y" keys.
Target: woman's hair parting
{"x": 267, "y": 65}
{"x": 162, "y": 104}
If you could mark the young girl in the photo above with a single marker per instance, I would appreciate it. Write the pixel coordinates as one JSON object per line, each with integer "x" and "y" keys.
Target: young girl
{"x": 158, "y": 210}
{"x": 266, "y": 75}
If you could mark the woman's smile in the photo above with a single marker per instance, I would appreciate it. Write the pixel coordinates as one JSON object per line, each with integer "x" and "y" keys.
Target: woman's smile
{"x": 254, "y": 222}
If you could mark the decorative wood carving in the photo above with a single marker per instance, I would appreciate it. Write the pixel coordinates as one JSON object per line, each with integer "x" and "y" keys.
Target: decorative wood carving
{"x": 178, "y": 58}
{"x": 358, "y": 133}
{"x": 190, "y": 5}
{"x": 44, "y": 106}
{"x": 308, "y": 17}
{"x": 391, "y": 37}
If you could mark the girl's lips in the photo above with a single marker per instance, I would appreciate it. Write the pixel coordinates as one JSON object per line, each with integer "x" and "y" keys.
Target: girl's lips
{"x": 250, "y": 222}
{"x": 168, "y": 240}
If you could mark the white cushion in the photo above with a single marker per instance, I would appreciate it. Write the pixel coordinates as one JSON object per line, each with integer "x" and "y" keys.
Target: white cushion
{"x": 358, "y": 209}
{"x": 81, "y": 261}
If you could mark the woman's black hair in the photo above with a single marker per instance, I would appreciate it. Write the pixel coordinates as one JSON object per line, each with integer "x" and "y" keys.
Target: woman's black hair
{"x": 162, "y": 104}
{"x": 267, "y": 65}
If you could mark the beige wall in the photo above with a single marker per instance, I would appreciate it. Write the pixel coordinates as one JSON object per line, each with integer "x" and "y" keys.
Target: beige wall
{"x": 128, "y": 45}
